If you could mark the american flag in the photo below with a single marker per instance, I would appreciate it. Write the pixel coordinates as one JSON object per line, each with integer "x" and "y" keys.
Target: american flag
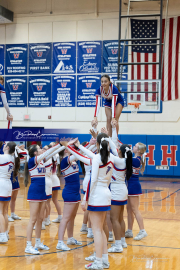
{"x": 150, "y": 53}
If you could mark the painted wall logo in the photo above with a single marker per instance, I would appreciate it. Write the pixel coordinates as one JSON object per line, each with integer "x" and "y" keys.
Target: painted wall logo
{"x": 63, "y": 84}
{"x": 15, "y": 87}
{"x": 39, "y": 54}
{"x": 88, "y": 85}
{"x": 114, "y": 51}
{"x": 89, "y": 50}
{"x": 64, "y": 51}
{"x": 16, "y": 55}
{"x": 39, "y": 87}
{"x": 1, "y": 67}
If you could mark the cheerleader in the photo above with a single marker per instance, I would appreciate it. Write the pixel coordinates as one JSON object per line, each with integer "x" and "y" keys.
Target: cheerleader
{"x": 114, "y": 102}
{"x": 16, "y": 187}
{"x": 56, "y": 185}
{"x": 119, "y": 193}
{"x": 98, "y": 196}
{"x": 7, "y": 164}
{"x": 4, "y": 99}
{"x": 134, "y": 191}
{"x": 36, "y": 194}
{"x": 71, "y": 197}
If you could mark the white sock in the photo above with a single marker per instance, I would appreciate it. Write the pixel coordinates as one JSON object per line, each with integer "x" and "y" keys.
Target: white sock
{"x": 123, "y": 240}
{"x": 12, "y": 214}
{"x": 105, "y": 258}
{"x": 90, "y": 230}
{"x": 118, "y": 242}
{"x": 111, "y": 233}
{"x": 29, "y": 243}
{"x": 38, "y": 241}
{"x": 142, "y": 230}
{"x": 84, "y": 226}
{"x": 129, "y": 230}
{"x": 60, "y": 242}
{"x": 60, "y": 217}
{"x": 49, "y": 217}
{"x": 71, "y": 238}
{"x": 99, "y": 261}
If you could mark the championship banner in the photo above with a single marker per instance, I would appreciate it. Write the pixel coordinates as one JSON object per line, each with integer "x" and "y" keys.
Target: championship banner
{"x": 86, "y": 89}
{"x": 16, "y": 59}
{"x": 63, "y": 91}
{"x": 64, "y": 58}
{"x": 40, "y": 58}
{"x": 89, "y": 57}
{"x": 39, "y": 92}
{"x": 16, "y": 91}
{"x": 2, "y": 56}
{"x": 110, "y": 56}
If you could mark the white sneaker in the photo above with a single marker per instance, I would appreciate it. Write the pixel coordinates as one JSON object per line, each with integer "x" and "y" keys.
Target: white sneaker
{"x": 62, "y": 246}
{"x": 91, "y": 258}
{"x": 16, "y": 217}
{"x": 115, "y": 249}
{"x": 140, "y": 235}
{"x": 41, "y": 246}
{"x": 129, "y": 234}
{"x": 110, "y": 239}
{"x": 106, "y": 265}
{"x": 46, "y": 222}
{"x": 10, "y": 219}
{"x": 32, "y": 250}
{"x": 94, "y": 266}
{"x": 3, "y": 238}
{"x": 57, "y": 220}
{"x": 90, "y": 235}
{"x": 124, "y": 245}
{"x": 73, "y": 241}
{"x": 84, "y": 230}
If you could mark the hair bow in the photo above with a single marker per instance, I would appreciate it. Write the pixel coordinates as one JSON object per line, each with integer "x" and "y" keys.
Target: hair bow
{"x": 127, "y": 150}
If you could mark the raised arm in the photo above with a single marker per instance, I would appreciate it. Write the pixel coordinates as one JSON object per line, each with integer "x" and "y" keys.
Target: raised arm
{"x": 47, "y": 153}
{"x": 61, "y": 148}
{"x": 86, "y": 151}
{"x": 4, "y": 100}
{"x": 79, "y": 156}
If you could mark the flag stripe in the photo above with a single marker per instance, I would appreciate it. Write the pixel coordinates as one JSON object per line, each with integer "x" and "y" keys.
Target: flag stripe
{"x": 177, "y": 58}
{"x": 169, "y": 87}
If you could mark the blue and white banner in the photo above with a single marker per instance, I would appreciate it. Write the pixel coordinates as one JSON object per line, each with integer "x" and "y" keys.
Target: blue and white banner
{"x": 110, "y": 56}
{"x": 89, "y": 57}
{"x": 64, "y": 58}
{"x": 86, "y": 89}
{"x": 2, "y": 56}
{"x": 16, "y": 91}
{"x": 63, "y": 91}
{"x": 40, "y": 58}
{"x": 39, "y": 91}
{"x": 16, "y": 59}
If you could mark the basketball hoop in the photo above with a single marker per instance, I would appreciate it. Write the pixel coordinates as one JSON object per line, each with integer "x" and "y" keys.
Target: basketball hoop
{"x": 136, "y": 106}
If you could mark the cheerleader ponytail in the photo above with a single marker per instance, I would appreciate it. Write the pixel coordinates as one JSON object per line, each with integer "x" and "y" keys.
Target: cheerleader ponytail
{"x": 103, "y": 147}
{"x": 127, "y": 153}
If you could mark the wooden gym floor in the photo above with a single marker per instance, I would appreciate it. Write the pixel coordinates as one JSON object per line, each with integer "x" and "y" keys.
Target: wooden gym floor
{"x": 160, "y": 250}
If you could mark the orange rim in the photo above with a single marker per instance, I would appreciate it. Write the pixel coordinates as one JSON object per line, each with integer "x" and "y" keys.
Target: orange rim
{"x": 136, "y": 104}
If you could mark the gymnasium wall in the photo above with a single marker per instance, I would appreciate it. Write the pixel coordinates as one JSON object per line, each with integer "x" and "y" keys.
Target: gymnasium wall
{"x": 33, "y": 23}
